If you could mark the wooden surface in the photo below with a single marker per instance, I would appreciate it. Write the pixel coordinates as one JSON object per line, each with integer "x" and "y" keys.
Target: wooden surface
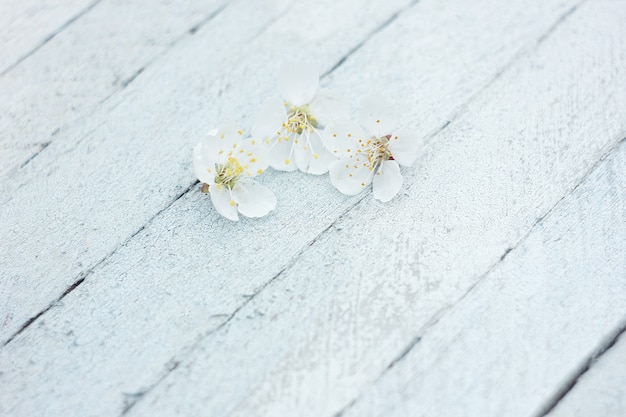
{"x": 493, "y": 284}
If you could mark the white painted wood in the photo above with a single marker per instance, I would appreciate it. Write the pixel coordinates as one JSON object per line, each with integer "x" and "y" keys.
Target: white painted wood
{"x": 187, "y": 271}
{"x": 332, "y": 323}
{"x": 83, "y": 66}
{"x": 509, "y": 346}
{"x": 26, "y": 24}
{"x": 602, "y": 390}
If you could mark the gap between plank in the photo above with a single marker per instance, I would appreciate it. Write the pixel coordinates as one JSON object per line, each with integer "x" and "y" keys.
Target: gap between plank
{"x": 51, "y": 36}
{"x": 582, "y": 370}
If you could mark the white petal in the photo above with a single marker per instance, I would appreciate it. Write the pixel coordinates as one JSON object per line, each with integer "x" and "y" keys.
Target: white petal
{"x": 349, "y": 176}
{"x": 269, "y": 118}
{"x": 223, "y": 202}
{"x": 302, "y": 154}
{"x": 405, "y": 146}
{"x": 281, "y": 156}
{"x": 321, "y": 164}
{"x": 322, "y": 158}
{"x": 254, "y": 199}
{"x": 227, "y": 137}
{"x": 387, "y": 181}
{"x": 328, "y": 106}
{"x": 342, "y": 137}
{"x": 377, "y": 115}
{"x": 298, "y": 83}
{"x": 202, "y": 163}
{"x": 253, "y": 155}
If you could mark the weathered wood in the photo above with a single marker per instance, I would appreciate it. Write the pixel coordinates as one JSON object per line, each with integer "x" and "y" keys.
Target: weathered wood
{"x": 26, "y": 25}
{"x": 356, "y": 299}
{"x": 601, "y": 391}
{"x": 97, "y": 56}
{"x": 515, "y": 340}
{"x": 184, "y": 275}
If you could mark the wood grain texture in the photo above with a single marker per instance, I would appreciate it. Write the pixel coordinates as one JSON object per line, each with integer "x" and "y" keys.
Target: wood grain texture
{"x": 357, "y": 298}
{"x": 26, "y": 25}
{"x": 83, "y": 66}
{"x": 601, "y": 391}
{"x": 521, "y": 333}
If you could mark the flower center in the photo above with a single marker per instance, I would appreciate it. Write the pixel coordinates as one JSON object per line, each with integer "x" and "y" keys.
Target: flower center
{"x": 299, "y": 119}
{"x": 377, "y": 150}
{"x": 228, "y": 172}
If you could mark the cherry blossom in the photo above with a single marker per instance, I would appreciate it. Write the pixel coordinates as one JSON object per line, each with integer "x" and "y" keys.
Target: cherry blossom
{"x": 291, "y": 127}
{"x": 226, "y": 164}
{"x": 374, "y": 157}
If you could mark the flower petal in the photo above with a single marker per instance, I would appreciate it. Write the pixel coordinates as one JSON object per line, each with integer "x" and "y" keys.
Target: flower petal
{"x": 301, "y": 153}
{"x": 342, "y": 137}
{"x": 254, "y": 156}
{"x": 349, "y": 175}
{"x": 203, "y": 164}
{"x": 387, "y": 181}
{"x": 328, "y": 106}
{"x": 269, "y": 118}
{"x": 321, "y": 157}
{"x": 377, "y": 115}
{"x": 281, "y": 155}
{"x": 405, "y": 146}
{"x": 254, "y": 199}
{"x": 227, "y": 137}
{"x": 298, "y": 83}
{"x": 223, "y": 202}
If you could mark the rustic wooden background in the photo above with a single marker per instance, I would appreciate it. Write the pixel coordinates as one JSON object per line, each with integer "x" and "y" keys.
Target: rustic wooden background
{"x": 494, "y": 284}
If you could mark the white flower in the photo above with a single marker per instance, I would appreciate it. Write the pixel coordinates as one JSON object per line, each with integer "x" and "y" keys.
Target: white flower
{"x": 371, "y": 158}
{"x": 226, "y": 162}
{"x": 290, "y": 127}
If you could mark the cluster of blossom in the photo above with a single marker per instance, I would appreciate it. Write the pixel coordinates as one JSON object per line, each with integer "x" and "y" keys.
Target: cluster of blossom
{"x": 287, "y": 135}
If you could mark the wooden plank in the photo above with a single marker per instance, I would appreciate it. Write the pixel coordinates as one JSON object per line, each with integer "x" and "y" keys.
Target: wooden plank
{"x": 223, "y": 263}
{"x": 93, "y": 59}
{"x": 327, "y": 327}
{"x": 522, "y": 333}
{"x": 602, "y": 390}
{"x": 26, "y": 25}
